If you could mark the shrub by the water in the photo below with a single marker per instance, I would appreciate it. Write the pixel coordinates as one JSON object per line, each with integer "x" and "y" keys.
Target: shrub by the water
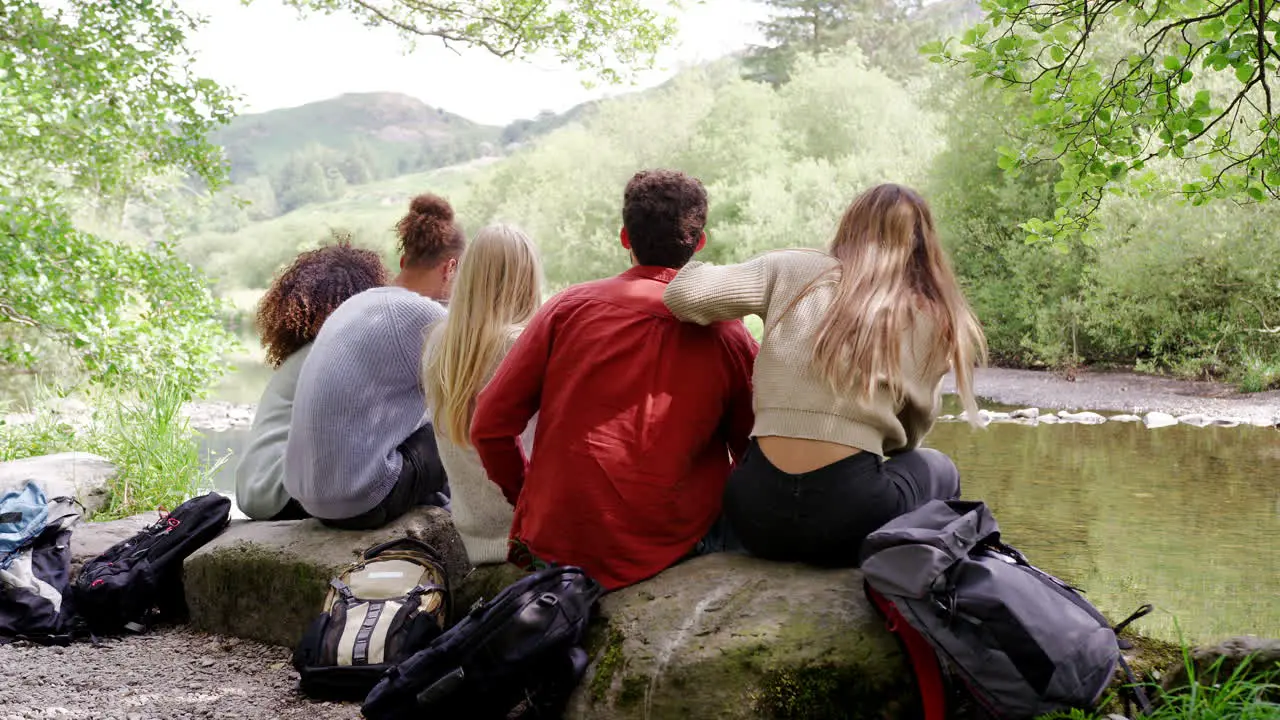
{"x": 144, "y": 434}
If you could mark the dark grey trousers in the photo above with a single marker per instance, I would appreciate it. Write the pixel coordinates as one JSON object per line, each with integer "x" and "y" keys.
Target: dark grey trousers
{"x": 821, "y": 517}
{"x": 422, "y": 481}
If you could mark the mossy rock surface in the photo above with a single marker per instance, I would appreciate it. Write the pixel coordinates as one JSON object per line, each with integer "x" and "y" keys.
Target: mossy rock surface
{"x": 728, "y": 636}
{"x": 266, "y": 581}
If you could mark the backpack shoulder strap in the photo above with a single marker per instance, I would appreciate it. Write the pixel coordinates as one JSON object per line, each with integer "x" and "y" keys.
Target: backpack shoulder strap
{"x": 1134, "y": 688}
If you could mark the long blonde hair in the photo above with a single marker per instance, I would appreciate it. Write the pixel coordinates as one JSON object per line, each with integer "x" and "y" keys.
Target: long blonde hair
{"x": 892, "y": 269}
{"x": 499, "y": 287}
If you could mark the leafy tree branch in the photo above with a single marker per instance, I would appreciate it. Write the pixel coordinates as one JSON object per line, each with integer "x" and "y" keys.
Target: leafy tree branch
{"x": 1116, "y": 84}
{"x": 97, "y": 99}
{"x": 608, "y": 39}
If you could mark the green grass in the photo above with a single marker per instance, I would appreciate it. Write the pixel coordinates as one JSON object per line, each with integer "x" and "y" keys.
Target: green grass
{"x": 1246, "y": 692}
{"x": 145, "y": 436}
{"x": 1257, "y": 374}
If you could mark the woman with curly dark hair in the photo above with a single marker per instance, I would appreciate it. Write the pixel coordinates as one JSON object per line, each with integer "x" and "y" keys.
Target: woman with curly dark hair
{"x": 290, "y": 315}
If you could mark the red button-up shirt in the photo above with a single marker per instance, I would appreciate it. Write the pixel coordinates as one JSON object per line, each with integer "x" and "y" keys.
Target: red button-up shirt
{"x": 638, "y": 414}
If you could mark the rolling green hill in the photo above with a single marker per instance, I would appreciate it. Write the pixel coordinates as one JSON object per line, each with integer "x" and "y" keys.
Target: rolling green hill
{"x": 391, "y": 133}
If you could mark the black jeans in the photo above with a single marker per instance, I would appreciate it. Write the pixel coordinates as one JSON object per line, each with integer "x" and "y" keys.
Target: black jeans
{"x": 292, "y": 510}
{"x": 422, "y": 481}
{"x": 822, "y": 516}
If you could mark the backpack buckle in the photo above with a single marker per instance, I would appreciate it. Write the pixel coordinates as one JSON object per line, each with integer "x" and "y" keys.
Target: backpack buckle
{"x": 343, "y": 591}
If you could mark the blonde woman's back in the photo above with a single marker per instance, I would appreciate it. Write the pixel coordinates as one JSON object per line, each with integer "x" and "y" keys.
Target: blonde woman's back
{"x": 792, "y": 398}
{"x": 498, "y": 289}
{"x": 480, "y": 513}
{"x": 848, "y": 378}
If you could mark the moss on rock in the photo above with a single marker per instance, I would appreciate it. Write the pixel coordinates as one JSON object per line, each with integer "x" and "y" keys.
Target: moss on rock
{"x": 266, "y": 581}
{"x": 727, "y": 636}
{"x": 482, "y": 584}
{"x": 608, "y": 664}
{"x": 225, "y": 591}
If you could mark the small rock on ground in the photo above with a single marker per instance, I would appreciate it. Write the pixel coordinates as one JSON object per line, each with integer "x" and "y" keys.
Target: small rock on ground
{"x": 169, "y": 674}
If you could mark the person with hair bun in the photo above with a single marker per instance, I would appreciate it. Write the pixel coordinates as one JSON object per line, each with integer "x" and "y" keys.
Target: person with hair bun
{"x": 290, "y": 316}
{"x": 362, "y": 452}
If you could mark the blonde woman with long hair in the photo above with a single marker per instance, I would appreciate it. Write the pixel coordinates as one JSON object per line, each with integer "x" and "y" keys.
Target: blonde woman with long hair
{"x": 497, "y": 291}
{"x": 848, "y": 380}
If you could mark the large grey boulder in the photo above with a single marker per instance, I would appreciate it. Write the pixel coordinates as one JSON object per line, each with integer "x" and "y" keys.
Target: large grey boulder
{"x": 266, "y": 581}
{"x": 729, "y": 636}
{"x": 71, "y": 474}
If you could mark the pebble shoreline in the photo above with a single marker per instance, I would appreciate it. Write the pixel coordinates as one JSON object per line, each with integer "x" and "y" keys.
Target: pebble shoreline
{"x": 1032, "y": 416}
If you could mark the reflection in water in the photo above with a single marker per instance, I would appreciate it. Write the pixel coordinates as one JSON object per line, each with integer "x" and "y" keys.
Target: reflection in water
{"x": 1185, "y": 518}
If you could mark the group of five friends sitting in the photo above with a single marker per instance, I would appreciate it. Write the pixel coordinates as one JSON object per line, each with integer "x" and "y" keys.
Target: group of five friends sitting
{"x": 627, "y": 423}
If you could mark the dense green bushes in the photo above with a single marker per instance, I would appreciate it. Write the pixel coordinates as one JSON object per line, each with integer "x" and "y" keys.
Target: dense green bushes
{"x": 1162, "y": 286}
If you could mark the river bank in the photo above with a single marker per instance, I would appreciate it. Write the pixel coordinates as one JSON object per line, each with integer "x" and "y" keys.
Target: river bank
{"x": 1124, "y": 392}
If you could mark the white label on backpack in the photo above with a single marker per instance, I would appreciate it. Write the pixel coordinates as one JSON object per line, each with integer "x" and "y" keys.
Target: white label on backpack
{"x": 384, "y": 574}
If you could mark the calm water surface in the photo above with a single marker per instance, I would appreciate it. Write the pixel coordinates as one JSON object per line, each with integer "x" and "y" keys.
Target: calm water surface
{"x": 1185, "y": 518}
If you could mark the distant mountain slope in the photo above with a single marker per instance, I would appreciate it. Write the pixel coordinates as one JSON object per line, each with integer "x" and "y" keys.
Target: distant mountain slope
{"x": 390, "y": 132}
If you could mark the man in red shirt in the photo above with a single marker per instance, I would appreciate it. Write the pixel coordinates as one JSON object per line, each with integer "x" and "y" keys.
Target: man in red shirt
{"x": 638, "y": 413}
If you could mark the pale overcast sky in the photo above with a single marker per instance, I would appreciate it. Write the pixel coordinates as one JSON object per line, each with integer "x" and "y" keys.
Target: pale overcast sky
{"x": 274, "y": 59}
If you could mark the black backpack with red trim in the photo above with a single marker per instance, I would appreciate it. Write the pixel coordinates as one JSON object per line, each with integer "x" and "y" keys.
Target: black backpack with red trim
{"x": 140, "y": 579}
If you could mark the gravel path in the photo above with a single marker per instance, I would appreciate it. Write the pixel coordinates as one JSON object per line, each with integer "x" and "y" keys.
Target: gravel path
{"x": 169, "y": 674}
{"x": 1123, "y": 392}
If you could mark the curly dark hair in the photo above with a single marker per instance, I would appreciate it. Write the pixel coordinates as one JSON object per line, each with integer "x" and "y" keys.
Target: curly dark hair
{"x": 304, "y": 294}
{"x": 429, "y": 234}
{"x": 664, "y": 212}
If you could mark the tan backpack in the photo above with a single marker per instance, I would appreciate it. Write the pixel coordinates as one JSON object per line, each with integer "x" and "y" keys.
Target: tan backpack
{"x": 383, "y": 608}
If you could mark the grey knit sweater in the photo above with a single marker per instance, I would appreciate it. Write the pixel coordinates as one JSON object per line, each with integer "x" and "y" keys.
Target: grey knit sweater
{"x": 358, "y": 398}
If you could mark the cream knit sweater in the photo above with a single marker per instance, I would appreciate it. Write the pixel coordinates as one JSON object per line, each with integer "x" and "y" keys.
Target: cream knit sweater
{"x": 791, "y": 399}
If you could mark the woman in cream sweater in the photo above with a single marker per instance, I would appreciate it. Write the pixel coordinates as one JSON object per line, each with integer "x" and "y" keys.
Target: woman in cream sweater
{"x": 848, "y": 380}
{"x": 499, "y": 286}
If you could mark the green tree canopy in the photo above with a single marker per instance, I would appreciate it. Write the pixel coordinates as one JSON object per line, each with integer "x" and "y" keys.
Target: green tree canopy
{"x": 883, "y": 31}
{"x": 1116, "y": 84}
{"x": 97, "y": 100}
{"x": 608, "y": 39}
